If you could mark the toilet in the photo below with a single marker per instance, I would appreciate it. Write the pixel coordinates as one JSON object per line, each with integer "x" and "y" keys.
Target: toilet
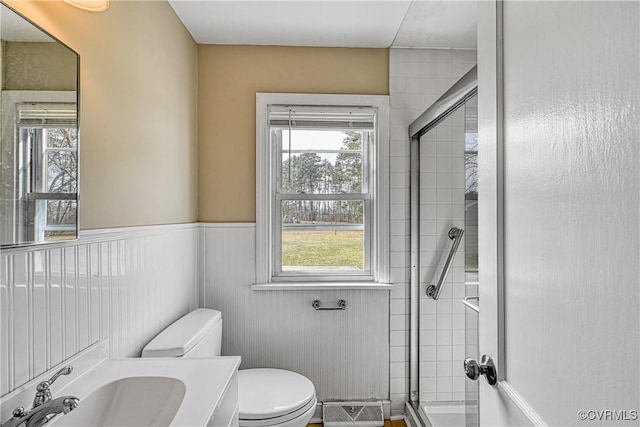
{"x": 267, "y": 397}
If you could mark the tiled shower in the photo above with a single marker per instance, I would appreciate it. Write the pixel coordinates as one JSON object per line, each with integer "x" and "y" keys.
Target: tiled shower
{"x": 418, "y": 77}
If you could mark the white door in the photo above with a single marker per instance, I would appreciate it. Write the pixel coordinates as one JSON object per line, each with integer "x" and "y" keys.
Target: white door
{"x": 559, "y": 180}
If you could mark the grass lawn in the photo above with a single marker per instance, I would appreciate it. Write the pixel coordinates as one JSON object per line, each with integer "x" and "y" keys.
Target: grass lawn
{"x": 326, "y": 248}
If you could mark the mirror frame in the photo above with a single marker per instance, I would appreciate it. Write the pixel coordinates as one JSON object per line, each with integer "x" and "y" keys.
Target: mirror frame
{"x": 4, "y": 246}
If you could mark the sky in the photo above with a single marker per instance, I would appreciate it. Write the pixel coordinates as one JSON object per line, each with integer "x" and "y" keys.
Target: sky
{"x": 313, "y": 139}
{"x": 305, "y": 139}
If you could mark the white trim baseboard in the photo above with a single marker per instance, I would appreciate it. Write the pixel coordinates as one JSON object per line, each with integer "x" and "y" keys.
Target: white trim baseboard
{"x": 227, "y": 224}
{"x": 117, "y": 233}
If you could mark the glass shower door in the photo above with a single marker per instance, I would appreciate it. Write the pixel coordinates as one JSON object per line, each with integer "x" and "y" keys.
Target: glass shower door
{"x": 448, "y": 329}
{"x": 441, "y": 147}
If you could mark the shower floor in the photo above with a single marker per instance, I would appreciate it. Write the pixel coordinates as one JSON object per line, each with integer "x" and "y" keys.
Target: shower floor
{"x": 448, "y": 414}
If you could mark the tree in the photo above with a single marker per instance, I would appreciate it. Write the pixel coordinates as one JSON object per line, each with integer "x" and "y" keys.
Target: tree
{"x": 309, "y": 173}
{"x": 348, "y": 175}
{"x": 62, "y": 174}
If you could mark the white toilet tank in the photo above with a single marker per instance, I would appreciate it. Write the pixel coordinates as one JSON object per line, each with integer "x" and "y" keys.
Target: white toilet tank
{"x": 198, "y": 334}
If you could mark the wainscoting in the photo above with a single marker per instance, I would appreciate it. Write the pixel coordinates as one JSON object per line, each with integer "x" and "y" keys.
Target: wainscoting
{"x": 344, "y": 353}
{"x": 123, "y": 285}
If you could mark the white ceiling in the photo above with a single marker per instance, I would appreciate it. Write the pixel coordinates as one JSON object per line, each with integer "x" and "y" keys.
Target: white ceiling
{"x": 331, "y": 23}
{"x": 439, "y": 24}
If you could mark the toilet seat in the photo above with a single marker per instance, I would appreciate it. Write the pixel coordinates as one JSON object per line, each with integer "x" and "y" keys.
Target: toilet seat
{"x": 273, "y": 396}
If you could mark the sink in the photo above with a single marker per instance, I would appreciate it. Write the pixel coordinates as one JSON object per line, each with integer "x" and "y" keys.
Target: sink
{"x": 152, "y": 392}
{"x": 133, "y": 401}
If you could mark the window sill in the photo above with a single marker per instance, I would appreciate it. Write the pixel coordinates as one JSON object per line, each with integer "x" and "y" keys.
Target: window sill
{"x": 322, "y": 286}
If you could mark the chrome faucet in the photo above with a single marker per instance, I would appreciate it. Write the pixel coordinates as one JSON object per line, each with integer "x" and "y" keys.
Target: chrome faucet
{"x": 44, "y": 408}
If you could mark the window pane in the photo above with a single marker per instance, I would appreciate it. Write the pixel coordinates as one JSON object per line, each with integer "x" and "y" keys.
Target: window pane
{"x": 61, "y": 160}
{"x": 471, "y": 185}
{"x": 61, "y": 219}
{"x": 322, "y": 161}
{"x": 323, "y": 235}
{"x": 62, "y": 138}
{"x": 62, "y": 171}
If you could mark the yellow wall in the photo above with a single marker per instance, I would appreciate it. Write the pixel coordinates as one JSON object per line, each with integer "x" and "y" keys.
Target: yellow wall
{"x": 229, "y": 77}
{"x": 145, "y": 85}
{"x": 138, "y": 110}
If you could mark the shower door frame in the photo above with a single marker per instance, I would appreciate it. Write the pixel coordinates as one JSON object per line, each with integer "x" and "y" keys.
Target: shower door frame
{"x": 465, "y": 88}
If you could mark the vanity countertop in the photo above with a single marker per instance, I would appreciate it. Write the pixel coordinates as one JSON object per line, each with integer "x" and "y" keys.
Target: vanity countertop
{"x": 197, "y": 386}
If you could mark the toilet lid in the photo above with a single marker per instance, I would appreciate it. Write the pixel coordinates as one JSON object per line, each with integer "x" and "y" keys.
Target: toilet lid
{"x": 270, "y": 393}
{"x": 182, "y": 335}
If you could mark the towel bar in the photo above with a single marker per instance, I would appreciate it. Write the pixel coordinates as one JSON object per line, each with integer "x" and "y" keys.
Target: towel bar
{"x": 342, "y": 305}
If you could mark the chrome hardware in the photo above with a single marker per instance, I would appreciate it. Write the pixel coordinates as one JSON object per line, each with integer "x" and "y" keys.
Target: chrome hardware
{"x": 44, "y": 395}
{"x": 455, "y": 96}
{"x": 455, "y": 234}
{"x": 19, "y": 412}
{"x": 316, "y": 304}
{"x": 44, "y": 407}
{"x": 486, "y": 368}
{"x": 473, "y": 306}
{"x": 42, "y": 414}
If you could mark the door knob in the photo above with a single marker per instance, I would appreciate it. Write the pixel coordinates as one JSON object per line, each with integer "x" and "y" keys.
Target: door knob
{"x": 485, "y": 367}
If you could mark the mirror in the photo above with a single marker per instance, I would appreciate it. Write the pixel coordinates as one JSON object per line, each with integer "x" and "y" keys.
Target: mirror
{"x": 38, "y": 134}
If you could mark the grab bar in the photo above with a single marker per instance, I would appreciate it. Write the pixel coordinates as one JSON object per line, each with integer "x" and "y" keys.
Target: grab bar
{"x": 455, "y": 234}
{"x": 475, "y": 307}
{"x": 342, "y": 305}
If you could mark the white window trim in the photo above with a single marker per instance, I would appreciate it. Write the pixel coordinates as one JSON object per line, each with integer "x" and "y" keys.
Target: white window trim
{"x": 265, "y": 249}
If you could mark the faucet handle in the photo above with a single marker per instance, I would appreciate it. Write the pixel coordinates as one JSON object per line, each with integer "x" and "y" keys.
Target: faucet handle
{"x": 19, "y": 412}
{"x": 70, "y": 403}
{"x": 46, "y": 384}
{"x": 44, "y": 395}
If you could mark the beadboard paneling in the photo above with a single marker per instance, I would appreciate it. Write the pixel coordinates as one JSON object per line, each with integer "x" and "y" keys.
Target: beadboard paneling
{"x": 344, "y": 353}
{"x": 122, "y": 284}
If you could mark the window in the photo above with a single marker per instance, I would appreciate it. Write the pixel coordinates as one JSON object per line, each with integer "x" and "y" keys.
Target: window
{"x": 48, "y": 175}
{"x": 39, "y": 195}
{"x": 471, "y": 185}
{"x": 322, "y": 185}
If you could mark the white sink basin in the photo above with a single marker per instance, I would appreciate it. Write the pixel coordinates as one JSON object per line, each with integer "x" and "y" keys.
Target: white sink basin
{"x": 150, "y": 392}
{"x": 134, "y": 401}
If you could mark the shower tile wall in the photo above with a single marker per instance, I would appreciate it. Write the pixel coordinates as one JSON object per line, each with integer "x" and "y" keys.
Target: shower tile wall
{"x": 417, "y": 78}
{"x": 442, "y": 322}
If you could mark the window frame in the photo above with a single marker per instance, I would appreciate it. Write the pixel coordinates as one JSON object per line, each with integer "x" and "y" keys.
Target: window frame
{"x": 18, "y": 220}
{"x": 268, "y": 223}
{"x": 365, "y": 196}
{"x": 36, "y": 151}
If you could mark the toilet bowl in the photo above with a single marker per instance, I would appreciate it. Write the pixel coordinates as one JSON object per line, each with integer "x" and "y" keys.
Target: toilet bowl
{"x": 267, "y": 397}
{"x": 275, "y": 397}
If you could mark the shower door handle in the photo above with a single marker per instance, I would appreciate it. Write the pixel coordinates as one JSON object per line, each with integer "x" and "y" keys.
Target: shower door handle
{"x": 455, "y": 234}
{"x": 486, "y": 367}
